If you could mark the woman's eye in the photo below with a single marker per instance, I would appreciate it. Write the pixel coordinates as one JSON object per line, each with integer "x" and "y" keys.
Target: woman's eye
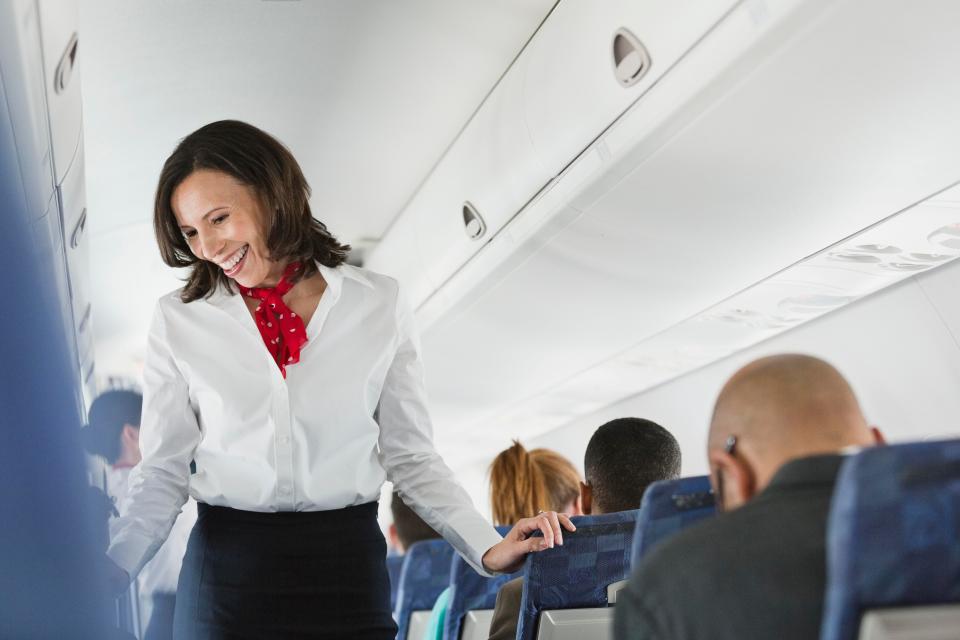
{"x": 189, "y": 234}
{"x": 220, "y": 219}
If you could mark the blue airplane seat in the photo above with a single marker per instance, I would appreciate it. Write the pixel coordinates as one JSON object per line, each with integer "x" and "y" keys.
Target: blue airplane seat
{"x": 394, "y": 565}
{"x": 893, "y": 532}
{"x": 470, "y": 591}
{"x": 425, "y": 573}
{"x": 669, "y": 506}
{"x": 577, "y": 574}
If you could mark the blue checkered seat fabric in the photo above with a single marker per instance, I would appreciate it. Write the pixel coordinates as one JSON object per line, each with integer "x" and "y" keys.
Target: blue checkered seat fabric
{"x": 394, "y": 565}
{"x": 893, "y": 536}
{"x": 470, "y": 591}
{"x": 576, "y": 575}
{"x": 670, "y": 506}
{"x": 425, "y": 573}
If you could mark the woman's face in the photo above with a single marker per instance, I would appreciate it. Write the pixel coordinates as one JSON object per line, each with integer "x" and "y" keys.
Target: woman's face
{"x": 222, "y": 221}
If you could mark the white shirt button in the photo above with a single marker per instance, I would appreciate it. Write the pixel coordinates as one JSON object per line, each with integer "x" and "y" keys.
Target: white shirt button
{"x": 284, "y": 490}
{"x": 284, "y": 439}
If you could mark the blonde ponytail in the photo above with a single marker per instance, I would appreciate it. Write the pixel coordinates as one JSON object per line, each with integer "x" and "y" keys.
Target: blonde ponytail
{"x": 522, "y": 483}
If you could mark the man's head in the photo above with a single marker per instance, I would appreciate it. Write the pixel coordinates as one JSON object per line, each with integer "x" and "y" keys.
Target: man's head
{"x": 776, "y": 409}
{"x": 623, "y": 458}
{"x": 113, "y": 431}
{"x": 407, "y": 526}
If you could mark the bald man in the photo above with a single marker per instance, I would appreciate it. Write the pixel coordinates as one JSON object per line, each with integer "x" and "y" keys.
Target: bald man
{"x": 779, "y": 428}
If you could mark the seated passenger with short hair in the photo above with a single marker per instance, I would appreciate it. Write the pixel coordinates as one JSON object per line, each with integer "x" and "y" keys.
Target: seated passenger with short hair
{"x": 757, "y": 571}
{"x": 623, "y": 458}
{"x": 113, "y": 433}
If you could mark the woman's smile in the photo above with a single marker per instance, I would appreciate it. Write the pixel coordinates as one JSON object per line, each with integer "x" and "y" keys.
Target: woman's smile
{"x": 232, "y": 265}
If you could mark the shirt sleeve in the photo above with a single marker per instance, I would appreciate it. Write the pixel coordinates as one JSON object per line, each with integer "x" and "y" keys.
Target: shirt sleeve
{"x": 407, "y": 453}
{"x": 169, "y": 435}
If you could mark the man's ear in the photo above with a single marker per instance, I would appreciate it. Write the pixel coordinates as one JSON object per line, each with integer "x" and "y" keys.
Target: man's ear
{"x": 878, "y": 437}
{"x": 586, "y": 498}
{"x": 733, "y": 479}
{"x": 131, "y": 434}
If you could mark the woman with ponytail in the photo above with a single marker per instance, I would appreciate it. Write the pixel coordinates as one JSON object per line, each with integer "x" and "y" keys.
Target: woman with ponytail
{"x": 524, "y": 483}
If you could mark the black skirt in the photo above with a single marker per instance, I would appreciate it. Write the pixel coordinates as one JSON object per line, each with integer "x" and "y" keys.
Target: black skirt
{"x": 317, "y": 574}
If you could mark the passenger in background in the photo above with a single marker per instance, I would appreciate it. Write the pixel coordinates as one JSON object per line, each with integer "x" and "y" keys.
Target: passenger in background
{"x": 623, "y": 458}
{"x": 758, "y": 571}
{"x": 522, "y": 482}
{"x": 407, "y": 527}
{"x": 528, "y": 482}
{"x": 113, "y": 433}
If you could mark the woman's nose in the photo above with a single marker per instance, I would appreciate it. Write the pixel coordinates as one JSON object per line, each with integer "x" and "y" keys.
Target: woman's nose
{"x": 210, "y": 246}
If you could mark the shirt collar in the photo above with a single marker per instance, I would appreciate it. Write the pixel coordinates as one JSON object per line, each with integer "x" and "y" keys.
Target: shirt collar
{"x": 805, "y": 473}
{"x": 333, "y": 276}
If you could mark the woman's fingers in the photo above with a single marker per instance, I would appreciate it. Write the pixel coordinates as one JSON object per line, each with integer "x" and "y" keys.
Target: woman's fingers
{"x": 543, "y": 523}
{"x": 567, "y": 522}
{"x": 554, "y": 521}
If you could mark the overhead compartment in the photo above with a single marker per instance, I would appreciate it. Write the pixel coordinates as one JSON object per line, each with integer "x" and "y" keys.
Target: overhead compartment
{"x": 61, "y": 49}
{"x": 584, "y": 67}
{"x": 22, "y": 77}
{"x": 73, "y": 207}
{"x": 788, "y": 127}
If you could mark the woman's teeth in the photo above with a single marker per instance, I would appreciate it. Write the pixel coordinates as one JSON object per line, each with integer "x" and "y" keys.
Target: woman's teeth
{"x": 237, "y": 257}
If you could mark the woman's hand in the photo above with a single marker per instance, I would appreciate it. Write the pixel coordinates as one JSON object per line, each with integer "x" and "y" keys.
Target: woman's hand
{"x": 508, "y": 555}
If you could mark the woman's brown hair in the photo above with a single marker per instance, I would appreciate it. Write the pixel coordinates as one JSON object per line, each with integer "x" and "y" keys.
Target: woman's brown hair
{"x": 259, "y": 161}
{"x": 522, "y": 483}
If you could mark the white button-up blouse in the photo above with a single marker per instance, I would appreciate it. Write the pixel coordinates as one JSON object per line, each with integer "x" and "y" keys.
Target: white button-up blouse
{"x": 349, "y": 415}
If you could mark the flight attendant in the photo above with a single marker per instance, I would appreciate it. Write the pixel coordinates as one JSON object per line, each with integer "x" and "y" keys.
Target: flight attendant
{"x": 282, "y": 387}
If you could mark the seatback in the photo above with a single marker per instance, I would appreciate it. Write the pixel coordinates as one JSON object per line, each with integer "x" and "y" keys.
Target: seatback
{"x": 669, "y": 506}
{"x": 470, "y": 591}
{"x": 893, "y": 536}
{"x": 394, "y": 565}
{"x": 425, "y": 574}
{"x": 577, "y": 574}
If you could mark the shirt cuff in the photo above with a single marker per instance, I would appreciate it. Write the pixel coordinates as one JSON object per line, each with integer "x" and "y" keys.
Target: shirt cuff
{"x": 478, "y": 537}
{"x": 129, "y": 552}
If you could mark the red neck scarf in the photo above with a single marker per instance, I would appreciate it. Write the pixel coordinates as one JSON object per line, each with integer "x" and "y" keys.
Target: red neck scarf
{"x": 282, "y": 330}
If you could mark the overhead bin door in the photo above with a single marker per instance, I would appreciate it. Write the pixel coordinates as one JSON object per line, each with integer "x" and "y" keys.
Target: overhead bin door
{"x": 557, "y": 97}
{"x": 61, "y": 49}
{"x": 571, "y": 90}
{"x": 22, "y": 77}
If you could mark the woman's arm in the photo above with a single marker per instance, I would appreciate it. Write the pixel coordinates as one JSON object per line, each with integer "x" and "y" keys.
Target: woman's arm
{"x": 428, "y": 485}
{"x": 169, "y": 436}
{"x": 407, "y": 453}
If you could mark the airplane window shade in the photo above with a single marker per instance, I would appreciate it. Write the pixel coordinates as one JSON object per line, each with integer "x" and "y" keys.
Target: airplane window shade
{"x": 630, "y": 58}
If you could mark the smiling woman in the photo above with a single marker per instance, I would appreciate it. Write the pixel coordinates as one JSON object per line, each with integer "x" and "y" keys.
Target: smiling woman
{"x": 285, "y": 448}
{"x": 231, "y": 172}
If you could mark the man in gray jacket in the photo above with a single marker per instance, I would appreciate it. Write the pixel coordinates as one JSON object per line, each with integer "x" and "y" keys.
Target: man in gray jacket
{"x": 758, "y": 571}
